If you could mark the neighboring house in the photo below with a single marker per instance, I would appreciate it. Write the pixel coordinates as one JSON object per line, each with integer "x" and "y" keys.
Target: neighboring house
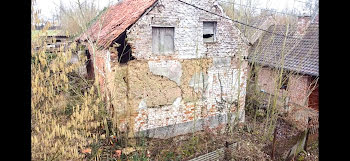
{"x": 54, "y": 38}
{"x": 298, "y": 56}
{"x": 262, "y": 22}
{"x": 168, "y": 67}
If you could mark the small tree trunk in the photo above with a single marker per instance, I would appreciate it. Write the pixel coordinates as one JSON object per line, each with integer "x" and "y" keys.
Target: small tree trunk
{"x": 307, "y": 133}
{"x": 273, "y": 143}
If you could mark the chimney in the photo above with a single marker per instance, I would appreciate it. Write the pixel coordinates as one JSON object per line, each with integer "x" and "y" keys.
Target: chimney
{"x": 303, "y": 23}
{"x": 265, "y": 25}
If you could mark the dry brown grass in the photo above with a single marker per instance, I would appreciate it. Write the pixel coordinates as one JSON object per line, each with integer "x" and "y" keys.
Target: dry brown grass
{"x": 64, "y": 116}
{"x": 69, "y": 119}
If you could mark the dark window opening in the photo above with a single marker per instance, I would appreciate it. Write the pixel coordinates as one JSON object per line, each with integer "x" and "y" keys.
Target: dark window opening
{"x": 285, "y": 80}
{"x": 209, "y": 31}
{"x": 124, "y": 49}
{"x": 253, "y": 73}
{"x": 208, "y": 36}
{"x": 89, "y": 65}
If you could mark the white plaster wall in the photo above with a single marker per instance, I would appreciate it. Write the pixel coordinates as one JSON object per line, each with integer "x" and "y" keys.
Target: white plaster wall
{"x": 188, "y": 37}
{"x": 188, "y": 42}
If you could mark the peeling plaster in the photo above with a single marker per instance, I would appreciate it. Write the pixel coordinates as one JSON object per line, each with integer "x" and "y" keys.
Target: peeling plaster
{"x": 142, "y": 104}
{"x": 177, "y": 102}
{"x": 222, "y": 61}
{"x": 171, "y": 69}
{"x": 175, "y": 82}
{"x": 199, "y": 82}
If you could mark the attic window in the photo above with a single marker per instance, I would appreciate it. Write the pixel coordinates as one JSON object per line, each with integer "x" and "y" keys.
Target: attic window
{"x": 162, "y": 40}
{"x": 209, "y": 31}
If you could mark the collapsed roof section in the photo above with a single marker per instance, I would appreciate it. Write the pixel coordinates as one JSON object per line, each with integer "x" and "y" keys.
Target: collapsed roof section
{"x": 115, "y": 21}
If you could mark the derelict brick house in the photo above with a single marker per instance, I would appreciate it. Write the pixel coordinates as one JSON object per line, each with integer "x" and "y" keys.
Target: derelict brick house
{"x": 167, "y": 67}
{"x": 298, "y": 55}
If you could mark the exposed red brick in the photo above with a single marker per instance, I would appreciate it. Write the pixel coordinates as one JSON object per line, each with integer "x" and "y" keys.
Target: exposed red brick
{"x": 313, "y": 99}
{"x": 188, "y": 112}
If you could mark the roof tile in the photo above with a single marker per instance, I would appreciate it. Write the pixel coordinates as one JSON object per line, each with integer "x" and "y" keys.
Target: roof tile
{"x": 300, "y": 53}
{"x": 115, "y": 21}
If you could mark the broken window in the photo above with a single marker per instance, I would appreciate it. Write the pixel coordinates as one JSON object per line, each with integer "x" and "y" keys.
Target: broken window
{"x": 285, "y": 80}
{"x": 162, "y": 40}
{"x": 209, "y": 31}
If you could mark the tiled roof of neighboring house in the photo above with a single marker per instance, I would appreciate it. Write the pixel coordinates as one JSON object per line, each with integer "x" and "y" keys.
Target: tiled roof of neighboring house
{"x": 268, "y": 50}
{"x": 304, "y": 56}
{"x": 256, "y": 22}
{"x": 300, "y": 53}
{"x": 115, "y": 21}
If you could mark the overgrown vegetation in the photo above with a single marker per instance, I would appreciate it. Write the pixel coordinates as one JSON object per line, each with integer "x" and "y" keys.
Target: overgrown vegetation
{"x": 72, "y": 121}
{"x": 66, "y": 110}
{"x": 79, "y": 14}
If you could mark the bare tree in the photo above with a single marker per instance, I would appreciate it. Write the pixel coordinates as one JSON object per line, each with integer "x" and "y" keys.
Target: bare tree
{"x": 77, "y": 16}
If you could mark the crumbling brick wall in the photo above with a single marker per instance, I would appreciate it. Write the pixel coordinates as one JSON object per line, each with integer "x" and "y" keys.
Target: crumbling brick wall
{"x": 197, "y": 80}
{"x": 201, "y": 87}
{"x": 188, "y": 37}
{"x": 268, "y": 80}
{"x": 297, "y": 90}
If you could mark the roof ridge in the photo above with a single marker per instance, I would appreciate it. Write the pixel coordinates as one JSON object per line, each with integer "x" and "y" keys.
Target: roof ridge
{"x": 117, "y": 18}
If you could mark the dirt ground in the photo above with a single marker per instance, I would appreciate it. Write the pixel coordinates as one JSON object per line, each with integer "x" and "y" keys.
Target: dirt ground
{"x": 251, "y": 144}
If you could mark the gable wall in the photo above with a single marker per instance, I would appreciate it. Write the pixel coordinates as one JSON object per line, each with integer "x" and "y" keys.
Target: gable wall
{"x": 188, "y": 23}
{"x": 195, "y": 82}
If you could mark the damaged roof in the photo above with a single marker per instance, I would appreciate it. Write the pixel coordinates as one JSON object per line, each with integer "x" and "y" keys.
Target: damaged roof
{"x": 300, "y": 53}
{"x": 115, "y": 21}
{"x": 256, "y": 22}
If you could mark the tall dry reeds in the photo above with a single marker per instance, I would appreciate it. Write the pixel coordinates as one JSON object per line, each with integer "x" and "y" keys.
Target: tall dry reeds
{"x": 70, "y": 119}
{"x": 65, "y": 107}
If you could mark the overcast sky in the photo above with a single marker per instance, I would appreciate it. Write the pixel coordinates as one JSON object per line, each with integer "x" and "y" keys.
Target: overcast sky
{"x": 48, "y": 7}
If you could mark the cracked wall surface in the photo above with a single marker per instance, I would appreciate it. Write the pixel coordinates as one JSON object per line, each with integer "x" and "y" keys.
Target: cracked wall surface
{"x": 155, "y": 90}
{"x": 191, "y": 69}
{"x": 171, "y": 69}
{"x": 298, "y": 85}
{"x": 188, "y": 26}
{"x": 198, "y": 80}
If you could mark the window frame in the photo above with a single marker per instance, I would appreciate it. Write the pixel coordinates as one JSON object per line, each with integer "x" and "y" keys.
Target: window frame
{"x": 214, "y": 31}
{"x": 159, "y": 52}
